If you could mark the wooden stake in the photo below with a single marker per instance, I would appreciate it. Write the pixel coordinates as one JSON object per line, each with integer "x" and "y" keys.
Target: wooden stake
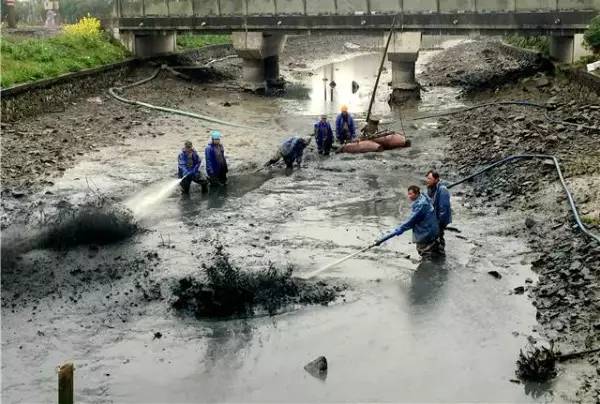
{"x": 65, "y": 383}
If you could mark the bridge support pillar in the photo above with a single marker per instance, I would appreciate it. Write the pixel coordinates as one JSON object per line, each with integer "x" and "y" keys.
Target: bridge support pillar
{"x": 562, "y": 48}
{"x": 404, "y": 85}
{"x": 260, "y": 58}
{"x": 403, "y": 53}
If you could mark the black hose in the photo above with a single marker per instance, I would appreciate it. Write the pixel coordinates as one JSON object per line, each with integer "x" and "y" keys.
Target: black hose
{"x": 560, "y": 177}
{"x": 113, "y": 93}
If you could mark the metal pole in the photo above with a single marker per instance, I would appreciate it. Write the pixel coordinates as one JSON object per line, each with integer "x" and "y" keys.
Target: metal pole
{"x": 380, "y": 68}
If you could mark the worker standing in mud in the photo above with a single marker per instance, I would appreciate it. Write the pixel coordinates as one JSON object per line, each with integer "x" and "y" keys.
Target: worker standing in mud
{"x": 323, "y": 136}
{"x": 189, "y": 168}
{"x": 440, "y": 199}
{"x": 291, "y": 150}
{"x": 422, "y": 221}
{"x": 216, "y": 165}
{"x": 344, "y": 126}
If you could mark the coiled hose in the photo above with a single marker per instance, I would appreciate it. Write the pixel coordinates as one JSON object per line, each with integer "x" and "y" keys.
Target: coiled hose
{"x": 113, "y": 91}
{"x": 560, "y": 177}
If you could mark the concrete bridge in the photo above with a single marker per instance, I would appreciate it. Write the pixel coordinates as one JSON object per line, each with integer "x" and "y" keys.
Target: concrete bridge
{"x": 259, "y": 26}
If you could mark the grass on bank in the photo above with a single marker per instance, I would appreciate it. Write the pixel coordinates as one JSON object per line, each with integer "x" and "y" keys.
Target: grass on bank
{"x": 79, "y": 46}
{"x": 191, "y": 41}
{"x": 536, "y": 43}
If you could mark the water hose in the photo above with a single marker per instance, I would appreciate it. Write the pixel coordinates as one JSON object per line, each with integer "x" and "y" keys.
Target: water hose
{"x": 560, "y": 177}
{"x": 113, "y": 91}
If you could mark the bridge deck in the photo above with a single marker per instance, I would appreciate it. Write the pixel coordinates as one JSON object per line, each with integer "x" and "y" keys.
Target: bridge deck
{"x": 293, "y": 15}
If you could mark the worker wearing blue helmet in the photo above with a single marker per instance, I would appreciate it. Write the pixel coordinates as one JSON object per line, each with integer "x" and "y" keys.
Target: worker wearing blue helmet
{"x": 216, "y": 165}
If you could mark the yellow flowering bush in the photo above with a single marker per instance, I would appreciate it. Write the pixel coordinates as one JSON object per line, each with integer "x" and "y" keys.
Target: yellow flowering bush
{"x": 87, "y": 26}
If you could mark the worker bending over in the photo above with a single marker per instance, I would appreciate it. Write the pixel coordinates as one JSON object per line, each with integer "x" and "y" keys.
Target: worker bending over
{"x": 291, "y": 150}
{"x": 216, "y": 165}
{"x": 344, "y": 126}
{"x": 422, "y": 221}
{"x": 188, "y": 168}
{"x": 440, "y": 199}
{"x": 323, "y": 135}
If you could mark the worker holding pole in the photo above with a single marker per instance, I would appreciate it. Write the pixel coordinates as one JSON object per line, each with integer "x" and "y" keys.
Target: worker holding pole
{"x": 440, "y": 199}
{"x": 422, "y": 221}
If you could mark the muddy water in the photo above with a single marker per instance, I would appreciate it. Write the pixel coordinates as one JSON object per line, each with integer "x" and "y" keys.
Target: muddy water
{"x": 404, "y": 332}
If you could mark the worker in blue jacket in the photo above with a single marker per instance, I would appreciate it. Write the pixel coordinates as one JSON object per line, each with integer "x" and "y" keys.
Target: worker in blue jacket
{"x": 216, "y": 165}
{"x": 291, "y": 150}
{"x": 188, "y": 168}
{"x": 344, "y": 126}
{"x": 440, "y": 198}
{"x": 422, "y": 221}
{"x": 323, "y": 135}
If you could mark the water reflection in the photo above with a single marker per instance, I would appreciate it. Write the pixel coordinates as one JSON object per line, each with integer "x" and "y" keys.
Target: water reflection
{"x": 427, "y": 283}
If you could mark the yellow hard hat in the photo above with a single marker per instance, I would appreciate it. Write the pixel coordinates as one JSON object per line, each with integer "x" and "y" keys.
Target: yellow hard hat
{"x": 344, "y": 108}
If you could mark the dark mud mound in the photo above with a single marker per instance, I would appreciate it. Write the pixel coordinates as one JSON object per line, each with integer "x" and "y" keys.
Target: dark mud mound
{"x": 231, "y": 291}
{"x": 482, "y": 64}
{"x": 537, "y": 364}
{"x": 97, "y": 223}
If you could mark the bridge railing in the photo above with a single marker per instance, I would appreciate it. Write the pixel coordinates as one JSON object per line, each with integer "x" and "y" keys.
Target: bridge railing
{"x": 226, "y": 8}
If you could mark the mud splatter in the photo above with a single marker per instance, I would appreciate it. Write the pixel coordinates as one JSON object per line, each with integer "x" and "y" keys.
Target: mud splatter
{"x": 229, "y": 290}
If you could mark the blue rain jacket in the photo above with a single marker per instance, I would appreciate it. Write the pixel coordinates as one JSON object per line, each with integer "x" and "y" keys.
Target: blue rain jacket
{"x": 440, "y": 197}
{"x": 215, "y": 160}
{"x": 422, "y": 221}
{"x": 292, "y": 149}
{"x": 323, "y": 131}
{"x": 339, "y": 124}
{"x": 188, "y": 166}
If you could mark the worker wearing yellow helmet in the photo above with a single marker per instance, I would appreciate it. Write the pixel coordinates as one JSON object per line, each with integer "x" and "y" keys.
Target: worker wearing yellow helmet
{"x": 344, "y": 126}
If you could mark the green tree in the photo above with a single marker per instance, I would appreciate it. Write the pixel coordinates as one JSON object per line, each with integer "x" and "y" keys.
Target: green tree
{"x": 591, "y": 36}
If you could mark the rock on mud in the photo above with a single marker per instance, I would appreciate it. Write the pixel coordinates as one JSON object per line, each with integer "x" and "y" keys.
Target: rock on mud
{"x": 317, "y": 367}
{"x": 228, "y": 290}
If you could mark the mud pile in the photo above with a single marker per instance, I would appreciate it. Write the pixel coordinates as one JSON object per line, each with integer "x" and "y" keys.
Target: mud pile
{"x": 481, "y": 64}
{"x": 537, "y": 364}
{"x": 231, "y": 291}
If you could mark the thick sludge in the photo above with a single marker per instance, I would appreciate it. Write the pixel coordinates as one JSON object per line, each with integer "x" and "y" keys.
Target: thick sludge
{"x": 229, "y": 290}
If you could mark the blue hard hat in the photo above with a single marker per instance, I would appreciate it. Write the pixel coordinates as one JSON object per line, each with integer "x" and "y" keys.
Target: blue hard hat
{"x": 215, "y": 135}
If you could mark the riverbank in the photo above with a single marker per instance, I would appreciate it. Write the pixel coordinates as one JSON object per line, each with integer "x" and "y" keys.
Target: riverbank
{"x": 566, "y": 260}
{"x": 110, "y": 307}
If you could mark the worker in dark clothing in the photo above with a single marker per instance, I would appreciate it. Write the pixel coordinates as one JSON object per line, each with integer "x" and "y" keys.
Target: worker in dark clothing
{"x": 323, "y": 136}
{"x": 216, "y": 165}
{"x": 344, "y": 126}
{"x": 440, "y": 199}
{"x": 422, "y": 221}
{"x": 291, "y": 150}
{"x": 188, "y": 168}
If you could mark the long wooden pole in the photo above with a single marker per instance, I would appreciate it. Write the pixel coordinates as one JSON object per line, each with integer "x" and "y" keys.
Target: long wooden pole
{"x": 65, "y": 383}
{"x": 380, "y": 68}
